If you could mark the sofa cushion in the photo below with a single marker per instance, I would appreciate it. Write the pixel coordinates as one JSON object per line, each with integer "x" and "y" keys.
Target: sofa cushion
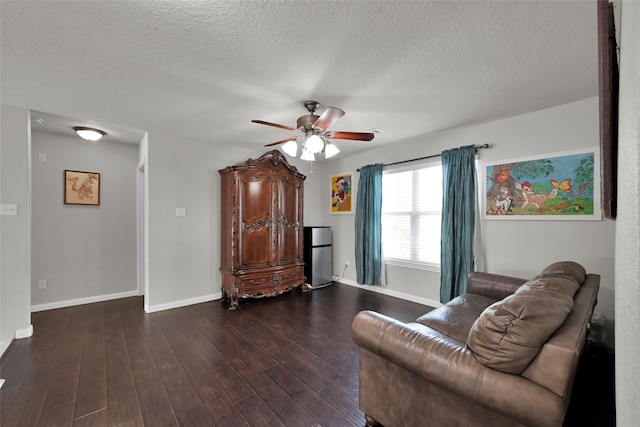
{"x": 455, "y": 318}
{"x": 508, "y": 335}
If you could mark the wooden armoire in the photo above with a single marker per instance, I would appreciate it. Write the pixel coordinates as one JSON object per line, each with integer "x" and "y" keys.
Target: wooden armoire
{"x": 261, "y": 228}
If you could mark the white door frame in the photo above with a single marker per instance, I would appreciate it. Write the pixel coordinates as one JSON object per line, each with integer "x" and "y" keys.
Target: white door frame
{"x": 142, "y": 221}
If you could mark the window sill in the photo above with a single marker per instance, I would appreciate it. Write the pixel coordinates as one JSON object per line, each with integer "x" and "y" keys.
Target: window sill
{"x": 413, "y": 264}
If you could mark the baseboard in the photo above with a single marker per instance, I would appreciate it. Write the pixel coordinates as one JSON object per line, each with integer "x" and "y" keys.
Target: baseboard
{"x": 4, "y": 345}
{"x": 101, "y": 298}
{"x": 184, "y": 303}
{"x": 20, "y": 334}
{"x": 80, "y": 301}
{"x": 24, "y": 333}
{"x": 386, "y": 291}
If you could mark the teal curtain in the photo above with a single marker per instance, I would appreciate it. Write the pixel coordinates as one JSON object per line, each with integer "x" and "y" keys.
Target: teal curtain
{"x": 458, "y": 221}
{"x": 368, "y": 226}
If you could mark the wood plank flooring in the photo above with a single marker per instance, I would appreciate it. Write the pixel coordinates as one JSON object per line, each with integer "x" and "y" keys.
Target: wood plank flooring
{"x": 285, "y": 361}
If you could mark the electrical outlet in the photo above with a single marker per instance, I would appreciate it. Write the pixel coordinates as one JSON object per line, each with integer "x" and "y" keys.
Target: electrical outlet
{"x": 346, "y": 264}
{"x": 8, "y": 209}
{"x": 42, "y": 284}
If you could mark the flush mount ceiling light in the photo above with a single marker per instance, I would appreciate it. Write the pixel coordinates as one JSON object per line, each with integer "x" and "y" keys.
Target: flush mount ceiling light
{"x": 89, "y": 134}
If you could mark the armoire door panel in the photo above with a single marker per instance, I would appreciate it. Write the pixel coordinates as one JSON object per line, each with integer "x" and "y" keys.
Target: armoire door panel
{"x": 289, "y": 192}
{"x": 290, "y": 230}
{"x": 289, "y": 247}
{"x": 256, "y": 197}
{"x": 255, "y": 248}
{"x": 256, "y": 219}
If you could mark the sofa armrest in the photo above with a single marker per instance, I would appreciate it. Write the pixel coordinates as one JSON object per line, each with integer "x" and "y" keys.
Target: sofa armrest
{"x": 421, "y": 350}
{"x": 493, "y": 285}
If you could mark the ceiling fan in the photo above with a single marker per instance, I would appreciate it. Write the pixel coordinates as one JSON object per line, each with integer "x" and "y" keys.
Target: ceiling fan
{"x": 315, "y": 136}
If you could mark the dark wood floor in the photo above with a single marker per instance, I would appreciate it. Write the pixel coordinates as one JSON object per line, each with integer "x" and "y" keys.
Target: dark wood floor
{"x": 285, "y": 361}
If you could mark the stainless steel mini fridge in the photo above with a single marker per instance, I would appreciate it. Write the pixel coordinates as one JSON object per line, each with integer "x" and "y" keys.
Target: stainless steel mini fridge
{"x": 318, "y": 265}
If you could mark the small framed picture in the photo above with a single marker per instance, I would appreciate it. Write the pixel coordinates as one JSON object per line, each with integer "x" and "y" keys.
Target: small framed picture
{"x": 342, "y": 193}
{"x": 81, "y": 188}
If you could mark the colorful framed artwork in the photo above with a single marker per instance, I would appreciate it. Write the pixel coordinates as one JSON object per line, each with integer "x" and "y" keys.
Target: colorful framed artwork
{"x": 342, "y": 193}
{"x": 559, "y": 186}
{"x": 81, "y": 188}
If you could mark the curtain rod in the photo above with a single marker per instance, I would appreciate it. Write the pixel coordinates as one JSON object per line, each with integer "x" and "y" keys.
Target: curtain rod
{"x": 477, "y": 147}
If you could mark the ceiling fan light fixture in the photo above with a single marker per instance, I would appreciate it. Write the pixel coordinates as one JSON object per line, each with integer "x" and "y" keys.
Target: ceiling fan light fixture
{"x": 314, "y": 131}
{"x": 314, "y": 143}
{"x": 291, "y": 148}
{"x": 330, "y": 150}
{"x": 89, "y": 134}
{"x": 308, "y": 156}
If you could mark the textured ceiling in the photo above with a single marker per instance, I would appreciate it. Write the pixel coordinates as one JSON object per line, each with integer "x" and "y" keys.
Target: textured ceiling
{"x": 202, "y": 70}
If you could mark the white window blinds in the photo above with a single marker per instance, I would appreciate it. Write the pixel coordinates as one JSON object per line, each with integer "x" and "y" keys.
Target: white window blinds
{"x": 411, "y": 216}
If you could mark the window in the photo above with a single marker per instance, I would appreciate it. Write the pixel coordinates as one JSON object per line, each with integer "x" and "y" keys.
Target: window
{"x": 411, "y": 216}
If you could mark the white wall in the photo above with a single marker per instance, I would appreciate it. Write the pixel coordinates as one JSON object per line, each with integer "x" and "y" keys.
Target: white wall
{"x": 517, "y": 248}
{"x": 184, "y": 256}
{"x": 85, "y": 253}
{"x": 627, "y": 297}
{"x": 15, "y": 245}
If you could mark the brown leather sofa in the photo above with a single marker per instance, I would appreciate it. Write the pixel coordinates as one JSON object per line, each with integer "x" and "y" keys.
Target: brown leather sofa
{"x": 503, "y": 354}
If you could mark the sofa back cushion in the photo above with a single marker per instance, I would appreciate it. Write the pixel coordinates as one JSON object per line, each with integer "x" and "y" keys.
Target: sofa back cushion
{"x": 570, "y": 269}
{"x": 508, "y": 334}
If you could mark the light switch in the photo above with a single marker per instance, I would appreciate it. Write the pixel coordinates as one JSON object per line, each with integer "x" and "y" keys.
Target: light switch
{"x": 42, "y": 157}
{"x": 181, "y": 212}
{"x": 8, "y": 209}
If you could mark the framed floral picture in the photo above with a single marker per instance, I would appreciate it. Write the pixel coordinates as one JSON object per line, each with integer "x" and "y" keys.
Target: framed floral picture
{"x": 342, "y": 193}
{"x": 81, "y": 188}
{"x": 559, "y": 186}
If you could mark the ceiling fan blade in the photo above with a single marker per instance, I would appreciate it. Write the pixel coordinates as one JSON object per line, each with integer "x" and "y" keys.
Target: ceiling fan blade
{"x": 330, "y": 115}
{"x": 281, "y": 141}
{"x": 359, "y": 136}
{"x": 275, "y": 125}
